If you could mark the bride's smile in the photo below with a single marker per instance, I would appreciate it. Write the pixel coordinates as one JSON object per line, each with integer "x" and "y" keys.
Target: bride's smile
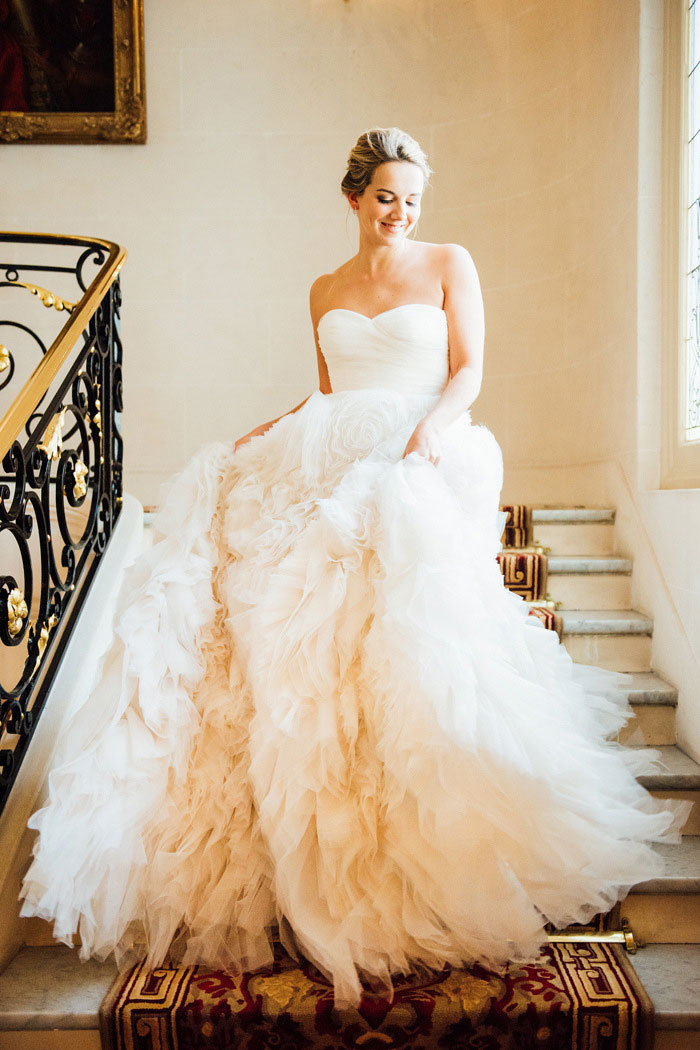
{"x": 390, "y": 206}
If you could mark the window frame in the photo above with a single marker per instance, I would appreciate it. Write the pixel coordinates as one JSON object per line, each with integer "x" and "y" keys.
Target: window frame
{"x": 680, "y": 459}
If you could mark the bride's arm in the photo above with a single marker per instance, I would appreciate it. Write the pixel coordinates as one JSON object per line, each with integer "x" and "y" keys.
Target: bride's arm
{"x": 317, "y": 307}
{"x": 324, "y": 384}
{"x": 464, "y": 309}
{"x": 266, "y": 426}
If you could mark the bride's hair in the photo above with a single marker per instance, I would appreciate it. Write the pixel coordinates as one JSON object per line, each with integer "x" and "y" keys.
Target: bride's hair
{"x": 375, "y": 147}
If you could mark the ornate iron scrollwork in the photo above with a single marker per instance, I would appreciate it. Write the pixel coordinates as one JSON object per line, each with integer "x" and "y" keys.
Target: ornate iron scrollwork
{"x": 60, "y": 497}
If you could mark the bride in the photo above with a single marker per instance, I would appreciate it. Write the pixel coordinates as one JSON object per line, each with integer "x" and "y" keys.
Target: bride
{"x": 322, "y": 710}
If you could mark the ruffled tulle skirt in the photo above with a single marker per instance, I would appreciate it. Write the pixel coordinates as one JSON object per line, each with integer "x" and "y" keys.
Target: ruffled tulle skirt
{"x": 323, "y": 711}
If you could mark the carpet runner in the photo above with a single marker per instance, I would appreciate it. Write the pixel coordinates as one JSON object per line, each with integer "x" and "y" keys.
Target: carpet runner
{"x": 578, "y": 996}
{"x": 524, "y": 572}
{"x": 517, "y": 531}
{"x": 524, "y": 566}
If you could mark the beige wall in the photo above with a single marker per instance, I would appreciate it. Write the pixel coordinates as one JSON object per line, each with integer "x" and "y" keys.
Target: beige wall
{"x": 530, "y": 113}
{"x": 233, "y": 206}
{"x": 539, "y": 180}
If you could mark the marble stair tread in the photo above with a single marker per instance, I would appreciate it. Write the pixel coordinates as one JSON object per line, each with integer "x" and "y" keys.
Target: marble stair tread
{"x": 541, "y": 514}
{"x": 605, "y": 621}
{"x": 646, "y": 687}
{"x": 671, "y": 975}
{"x": 588, "y": 563}
{"x": 603, "y": 514}
{"x": 682, "y": 873}
{"x": 49, "y": 987}
{"x": 682, "y": 773}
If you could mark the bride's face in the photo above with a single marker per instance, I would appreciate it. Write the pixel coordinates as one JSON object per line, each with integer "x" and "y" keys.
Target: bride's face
{"x": 389, "y": 207}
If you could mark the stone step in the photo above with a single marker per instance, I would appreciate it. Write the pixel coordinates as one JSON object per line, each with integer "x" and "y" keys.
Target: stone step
{"x": 572, "y": 515}
{"x": 647, "y": 687}
{"x": 654, "y": 702}
{"x": 682, "y": 873}
{"x": 680, "y": 779}
{"x": 574, "y": 530}
{"x": 49, "y": 999}
{"x": 671, "y": 975}
{"x": 587, "y": 581}
{"x": 682, "y": 773}
{"x": 605, "y": 621}
{"x": 592, "y": 564}
{"x": 653, "y": 725}
{"x": 588, "y": 591}
{"x": 667, "y": 909}
{"x": 618, "y": 639}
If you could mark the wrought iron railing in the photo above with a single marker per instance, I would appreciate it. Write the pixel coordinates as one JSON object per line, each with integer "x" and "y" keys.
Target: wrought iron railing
{"x": 60, "y": 458}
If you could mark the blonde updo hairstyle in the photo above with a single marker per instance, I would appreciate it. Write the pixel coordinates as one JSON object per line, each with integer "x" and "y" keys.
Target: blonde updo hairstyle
{"x": 375, "y": 147}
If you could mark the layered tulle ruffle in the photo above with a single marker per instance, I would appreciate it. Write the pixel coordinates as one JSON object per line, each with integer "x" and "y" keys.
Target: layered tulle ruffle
{"x": 323, "y": 709}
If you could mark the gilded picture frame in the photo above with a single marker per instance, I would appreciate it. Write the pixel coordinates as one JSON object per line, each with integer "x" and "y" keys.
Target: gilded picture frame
{"x": 72, "y": 62}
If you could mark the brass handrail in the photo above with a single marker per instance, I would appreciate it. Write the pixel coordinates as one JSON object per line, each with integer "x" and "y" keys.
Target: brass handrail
{"x": 40, "y": 380}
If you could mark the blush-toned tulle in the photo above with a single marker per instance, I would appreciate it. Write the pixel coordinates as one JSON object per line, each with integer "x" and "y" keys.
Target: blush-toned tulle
{"x": 323, "y": 709}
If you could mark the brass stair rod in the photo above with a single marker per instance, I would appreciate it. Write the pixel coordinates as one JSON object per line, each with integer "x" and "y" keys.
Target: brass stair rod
{"x": 624, "y": 936}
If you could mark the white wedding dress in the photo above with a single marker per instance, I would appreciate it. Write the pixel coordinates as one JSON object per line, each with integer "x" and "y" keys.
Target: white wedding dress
{"x": 322, "y": 709}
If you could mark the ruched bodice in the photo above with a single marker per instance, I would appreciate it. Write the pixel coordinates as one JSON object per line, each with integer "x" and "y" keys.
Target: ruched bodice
{"x": 403, "y": 349}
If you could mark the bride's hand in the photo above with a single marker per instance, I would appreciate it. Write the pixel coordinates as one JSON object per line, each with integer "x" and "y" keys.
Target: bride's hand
{"x": 253, "y": 433}
{"x": 425, "y": 440}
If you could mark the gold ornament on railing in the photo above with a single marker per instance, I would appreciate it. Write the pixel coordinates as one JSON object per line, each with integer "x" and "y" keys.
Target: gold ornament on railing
{"x": 16, "y": 611}
{"x": 4, "y": 357}
{"x": 79, "y": 475}
{"x": 52, "y": 442}
{"x": 43, "y": 638}
{"x": 48, "y": 298}
{"x": 97, "y": 418}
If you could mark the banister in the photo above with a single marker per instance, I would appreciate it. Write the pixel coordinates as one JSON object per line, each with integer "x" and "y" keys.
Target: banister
{"x": 61, "y": 469}
{"x": 39, "y": 381}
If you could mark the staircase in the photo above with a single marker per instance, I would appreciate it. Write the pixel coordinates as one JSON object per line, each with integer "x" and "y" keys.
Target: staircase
{"x": 48, "y": 999}
{"x": 600, "y": 627}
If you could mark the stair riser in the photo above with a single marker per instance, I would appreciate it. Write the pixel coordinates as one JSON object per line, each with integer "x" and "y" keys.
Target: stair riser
{"x": 590, "y": 590}
{"x": 575, "y": 537}
{"x": 89, "y": 1039}
{"x": 664, "y": 918}
{"x": 616, "y": 652}
{"x": 37, "y": 933}
{"x": 676, "y": 1039}
{"x": 692, "y": 824}
{"x": 653, "y": 725}
{"x": 52, "y": 1039}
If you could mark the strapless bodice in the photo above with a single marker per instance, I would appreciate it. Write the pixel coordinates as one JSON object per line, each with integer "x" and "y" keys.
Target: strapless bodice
{"x": 403, "y": 349}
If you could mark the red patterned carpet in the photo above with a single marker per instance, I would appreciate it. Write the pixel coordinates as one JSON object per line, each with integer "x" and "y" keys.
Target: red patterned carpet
{"x": 573, "y": 997}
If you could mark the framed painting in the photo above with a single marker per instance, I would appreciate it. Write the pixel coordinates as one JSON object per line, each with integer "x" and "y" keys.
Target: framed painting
{"x": 72, "y": 71}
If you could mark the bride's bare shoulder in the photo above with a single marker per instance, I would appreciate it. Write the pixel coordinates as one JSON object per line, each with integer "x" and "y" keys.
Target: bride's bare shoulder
{"x": 321, "y": 284}
{"x": 322, "y": 288}
{"x": 318, "y": 293}
{"x": 446, "y": 253}
{"x": 453, "y": 264}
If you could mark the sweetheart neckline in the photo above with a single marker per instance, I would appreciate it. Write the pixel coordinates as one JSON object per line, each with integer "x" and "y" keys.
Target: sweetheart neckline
{"x": 382, "y": 313}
